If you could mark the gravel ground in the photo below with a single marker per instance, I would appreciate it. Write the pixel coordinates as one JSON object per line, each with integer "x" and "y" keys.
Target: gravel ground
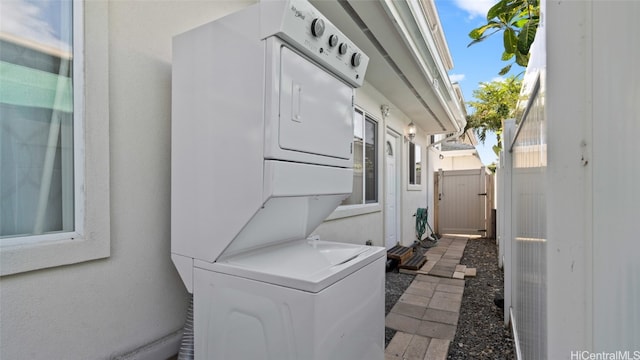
{"x": 481, "y": 333}
{"x": 396, "y": 284}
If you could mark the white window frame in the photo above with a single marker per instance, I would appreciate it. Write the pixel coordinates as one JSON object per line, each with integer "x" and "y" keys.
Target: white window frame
{"x": 365, "y": 208}
{"x": 91, "y": 236}
{"x": 412, "y": 168}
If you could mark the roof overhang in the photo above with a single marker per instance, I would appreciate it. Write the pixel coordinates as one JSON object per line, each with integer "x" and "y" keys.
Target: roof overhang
{"x": 409, "y": 59}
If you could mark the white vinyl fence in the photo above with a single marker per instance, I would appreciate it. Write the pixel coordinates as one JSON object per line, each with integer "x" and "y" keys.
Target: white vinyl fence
{"x": 568, "y": 193}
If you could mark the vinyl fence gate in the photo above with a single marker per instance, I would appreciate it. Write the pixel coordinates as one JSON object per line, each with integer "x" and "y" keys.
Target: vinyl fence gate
{"x": 464, "y": 202}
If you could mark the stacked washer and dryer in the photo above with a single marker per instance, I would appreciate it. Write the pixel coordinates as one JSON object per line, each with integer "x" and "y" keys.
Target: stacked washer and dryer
{"x": 262, "y": 153}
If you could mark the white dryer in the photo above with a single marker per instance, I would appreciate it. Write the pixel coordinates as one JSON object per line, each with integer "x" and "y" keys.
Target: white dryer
{"x": 262, "y": 153}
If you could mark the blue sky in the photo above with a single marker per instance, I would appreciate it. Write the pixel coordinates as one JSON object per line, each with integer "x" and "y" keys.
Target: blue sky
{"x": 478, "y": 63}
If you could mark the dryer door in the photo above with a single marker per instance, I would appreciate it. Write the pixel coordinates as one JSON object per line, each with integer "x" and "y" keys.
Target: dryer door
{"x": 316, "y": 109}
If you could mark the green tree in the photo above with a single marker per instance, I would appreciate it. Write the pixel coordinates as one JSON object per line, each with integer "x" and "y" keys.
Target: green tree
{"x": 518, "y": 20}
{"x": 496, "y": 101}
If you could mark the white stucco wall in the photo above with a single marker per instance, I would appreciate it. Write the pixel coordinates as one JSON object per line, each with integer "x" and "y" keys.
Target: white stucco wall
{"x": 366, "y": 222}
{"x": 432, "y": 167}
{"x": 460, "y": 162}
{"x": 413, "y": 197}
{"x": 100, "y": 309}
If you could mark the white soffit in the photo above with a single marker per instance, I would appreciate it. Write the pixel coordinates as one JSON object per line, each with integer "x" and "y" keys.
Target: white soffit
{"x": 404, "y": 63}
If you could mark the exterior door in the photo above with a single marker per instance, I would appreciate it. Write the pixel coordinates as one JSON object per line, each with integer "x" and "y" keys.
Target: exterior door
{"x": 392, "y": 198}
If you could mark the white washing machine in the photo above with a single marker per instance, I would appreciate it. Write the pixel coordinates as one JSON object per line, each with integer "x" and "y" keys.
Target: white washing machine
{"x": 262, "y": 153}
{"x": 305, "y": 299}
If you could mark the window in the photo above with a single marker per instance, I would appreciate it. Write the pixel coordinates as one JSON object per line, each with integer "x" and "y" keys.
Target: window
{"x": 365, "y": 165}
{"x": 415, "y": 164}
{"x": 36, "y": 119}
{"x": 54, "y": 205}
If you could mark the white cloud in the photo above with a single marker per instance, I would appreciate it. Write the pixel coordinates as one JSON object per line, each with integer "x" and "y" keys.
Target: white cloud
{"x": 456, "y": 78}
{"x": 495, "y": 79}
{"x": 26, "y": 20}
{"x": 475, "y": 7}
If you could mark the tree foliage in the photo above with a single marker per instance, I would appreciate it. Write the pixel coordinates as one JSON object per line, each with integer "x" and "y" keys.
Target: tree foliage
{"x": 518, "y": 20}
{"x": 496, "y": 101}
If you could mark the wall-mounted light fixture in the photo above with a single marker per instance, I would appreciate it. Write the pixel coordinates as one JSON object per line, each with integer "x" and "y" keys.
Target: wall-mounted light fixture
{"x": 384, "y": 109}
{"x": 411, "y": 131}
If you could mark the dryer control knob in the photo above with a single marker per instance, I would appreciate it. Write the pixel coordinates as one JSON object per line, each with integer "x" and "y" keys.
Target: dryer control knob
{"x": 333, "y": 40}
{"x": 317, "y": 27}
{"x": 342, "y": 49}
{"x": 355, "y": 59}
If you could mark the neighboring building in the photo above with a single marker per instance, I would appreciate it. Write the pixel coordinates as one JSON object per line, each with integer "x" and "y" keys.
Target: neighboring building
{"x": 85, "y": 268}
{"x": 461, "y": 154}
{"x": 568, "y": 197}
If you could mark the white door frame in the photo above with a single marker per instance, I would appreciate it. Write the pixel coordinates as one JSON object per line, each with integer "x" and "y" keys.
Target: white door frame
{"x": 395, "y": 139}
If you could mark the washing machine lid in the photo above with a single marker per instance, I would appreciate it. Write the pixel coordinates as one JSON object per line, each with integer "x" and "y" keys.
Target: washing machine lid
{"x": 308, "y": 265}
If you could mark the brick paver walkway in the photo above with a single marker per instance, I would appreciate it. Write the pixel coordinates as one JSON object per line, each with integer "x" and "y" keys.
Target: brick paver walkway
{"x": 426, "y": 315}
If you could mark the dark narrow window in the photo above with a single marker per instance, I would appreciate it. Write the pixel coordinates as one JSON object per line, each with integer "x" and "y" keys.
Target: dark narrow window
{"x": 365, "y": 164}
{"x": 415, "y": 164}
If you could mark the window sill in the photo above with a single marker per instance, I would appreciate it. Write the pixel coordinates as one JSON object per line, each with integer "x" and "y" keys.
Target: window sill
{"x": 30, "y": 255}
{"x": 346, "y": 211}
{"x": 411, "y": 187}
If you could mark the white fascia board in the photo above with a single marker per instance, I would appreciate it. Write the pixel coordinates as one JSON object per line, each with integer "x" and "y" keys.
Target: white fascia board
{"x": 451, "y": 106}
{"x": 457, "y": 153}
{"x": 431, "y": 13}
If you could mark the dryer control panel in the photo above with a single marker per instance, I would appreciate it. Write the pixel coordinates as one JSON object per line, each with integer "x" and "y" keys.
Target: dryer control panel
{"x": 319, "y": 39}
